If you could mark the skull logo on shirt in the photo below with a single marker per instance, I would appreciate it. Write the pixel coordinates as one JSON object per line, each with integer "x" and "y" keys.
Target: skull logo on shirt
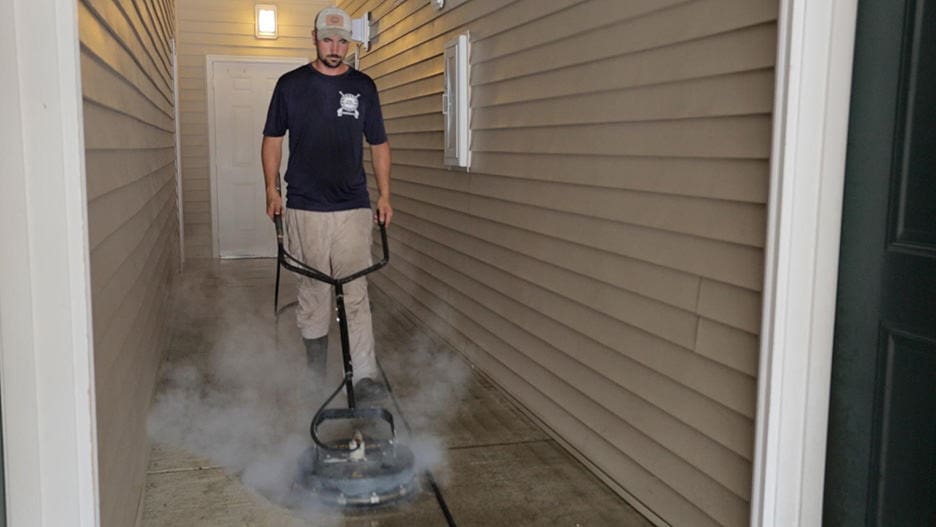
{"x": 349, "y": 104}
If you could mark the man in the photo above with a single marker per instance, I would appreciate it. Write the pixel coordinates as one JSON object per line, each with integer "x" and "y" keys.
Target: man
{"x": 327, "y": 107}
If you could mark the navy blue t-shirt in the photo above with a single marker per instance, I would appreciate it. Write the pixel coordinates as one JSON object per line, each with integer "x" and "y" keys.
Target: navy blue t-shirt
{"x": 326, "y": 117}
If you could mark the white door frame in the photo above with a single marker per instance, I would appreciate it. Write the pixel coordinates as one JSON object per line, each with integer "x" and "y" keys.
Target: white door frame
{"x": 46, "y": 345}
{"x": 209, "y": 76}
{"x": 813, "y": 90}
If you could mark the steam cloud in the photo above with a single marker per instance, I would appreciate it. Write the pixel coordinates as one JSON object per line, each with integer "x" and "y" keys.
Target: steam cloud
{"x": 235, "y": 390}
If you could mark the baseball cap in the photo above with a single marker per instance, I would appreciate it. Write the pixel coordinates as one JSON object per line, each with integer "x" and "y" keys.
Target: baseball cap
{"x": 333, "y": 22}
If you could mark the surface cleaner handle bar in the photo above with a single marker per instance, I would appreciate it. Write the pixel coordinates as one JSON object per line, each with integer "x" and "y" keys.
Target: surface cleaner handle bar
{"x": 278, "y": 223}
{"x": 297, "y": 266}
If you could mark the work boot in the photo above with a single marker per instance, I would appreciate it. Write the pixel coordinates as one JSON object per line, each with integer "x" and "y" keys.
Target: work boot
{"x": 368, "y": 392}
{"x": 317, "y": 357}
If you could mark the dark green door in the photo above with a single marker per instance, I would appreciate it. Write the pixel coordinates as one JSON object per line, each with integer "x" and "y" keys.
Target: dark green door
{"x": 881, "y": 457}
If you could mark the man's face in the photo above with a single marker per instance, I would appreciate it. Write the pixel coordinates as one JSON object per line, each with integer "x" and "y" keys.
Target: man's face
{"x": 331, "y": 50}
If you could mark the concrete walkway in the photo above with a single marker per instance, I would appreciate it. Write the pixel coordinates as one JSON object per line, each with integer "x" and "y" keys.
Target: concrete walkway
{"x": 233, "y": 409}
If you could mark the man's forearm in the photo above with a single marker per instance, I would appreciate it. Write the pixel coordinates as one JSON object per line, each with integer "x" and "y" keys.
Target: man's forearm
{"x": 271, "y": 156}
{"x": 380, "y": 155}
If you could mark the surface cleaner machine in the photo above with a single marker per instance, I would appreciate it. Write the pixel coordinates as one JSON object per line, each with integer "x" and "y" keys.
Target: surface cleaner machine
{"x": 360, "y": 468}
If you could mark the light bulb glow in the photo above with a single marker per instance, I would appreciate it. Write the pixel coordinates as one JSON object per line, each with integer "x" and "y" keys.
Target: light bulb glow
{"x": 266, "y": 21}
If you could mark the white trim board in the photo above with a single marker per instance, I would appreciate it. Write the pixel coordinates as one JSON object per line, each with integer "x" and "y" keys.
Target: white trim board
{"x": 46, "y": 346}
{"x": 209, "y": 89}
{"x": 813, "y": 88}
{"x": 177, "y": 116}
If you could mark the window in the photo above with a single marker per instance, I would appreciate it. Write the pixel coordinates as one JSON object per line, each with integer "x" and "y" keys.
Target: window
{"x": 455, "y": 103}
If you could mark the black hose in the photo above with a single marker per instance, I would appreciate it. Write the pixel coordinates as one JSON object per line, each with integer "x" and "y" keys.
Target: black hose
{"x": 440, "y": 499}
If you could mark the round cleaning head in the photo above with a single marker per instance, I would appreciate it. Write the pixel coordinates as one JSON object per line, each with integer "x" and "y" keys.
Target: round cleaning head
{"x": 351, "y": 475}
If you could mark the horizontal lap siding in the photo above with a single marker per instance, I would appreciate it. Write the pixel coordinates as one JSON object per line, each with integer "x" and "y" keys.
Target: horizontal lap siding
{"x": 222, "y": 27}
{"x": 603, "y": 257}
{"x": 133, "y": 231}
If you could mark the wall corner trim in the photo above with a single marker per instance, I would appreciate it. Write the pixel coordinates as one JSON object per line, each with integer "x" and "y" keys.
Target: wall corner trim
{"x": 46, "y": 340}
{"x": 813, "y": 86}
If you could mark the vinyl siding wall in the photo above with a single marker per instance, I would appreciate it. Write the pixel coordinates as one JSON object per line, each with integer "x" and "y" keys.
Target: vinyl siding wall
{"x": 603, "y": 258}
{"x": 223, "y": 27}
{"x": 129, "y": 135}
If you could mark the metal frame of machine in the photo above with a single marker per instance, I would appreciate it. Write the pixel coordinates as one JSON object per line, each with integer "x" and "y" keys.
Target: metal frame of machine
{"x": 360, "y": 471}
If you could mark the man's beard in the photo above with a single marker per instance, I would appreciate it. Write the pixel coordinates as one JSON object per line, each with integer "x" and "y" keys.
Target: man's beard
{"x": 330, "y": 61}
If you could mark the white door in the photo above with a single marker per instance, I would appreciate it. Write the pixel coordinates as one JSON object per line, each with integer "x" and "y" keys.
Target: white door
{"x": 240, "y": 92}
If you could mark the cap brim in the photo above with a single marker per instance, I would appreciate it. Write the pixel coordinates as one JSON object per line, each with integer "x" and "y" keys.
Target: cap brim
{"x": 331, "y": 33}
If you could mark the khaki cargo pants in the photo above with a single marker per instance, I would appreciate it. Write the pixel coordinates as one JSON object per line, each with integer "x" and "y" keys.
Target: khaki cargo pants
{"x": 336, "y": 243}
